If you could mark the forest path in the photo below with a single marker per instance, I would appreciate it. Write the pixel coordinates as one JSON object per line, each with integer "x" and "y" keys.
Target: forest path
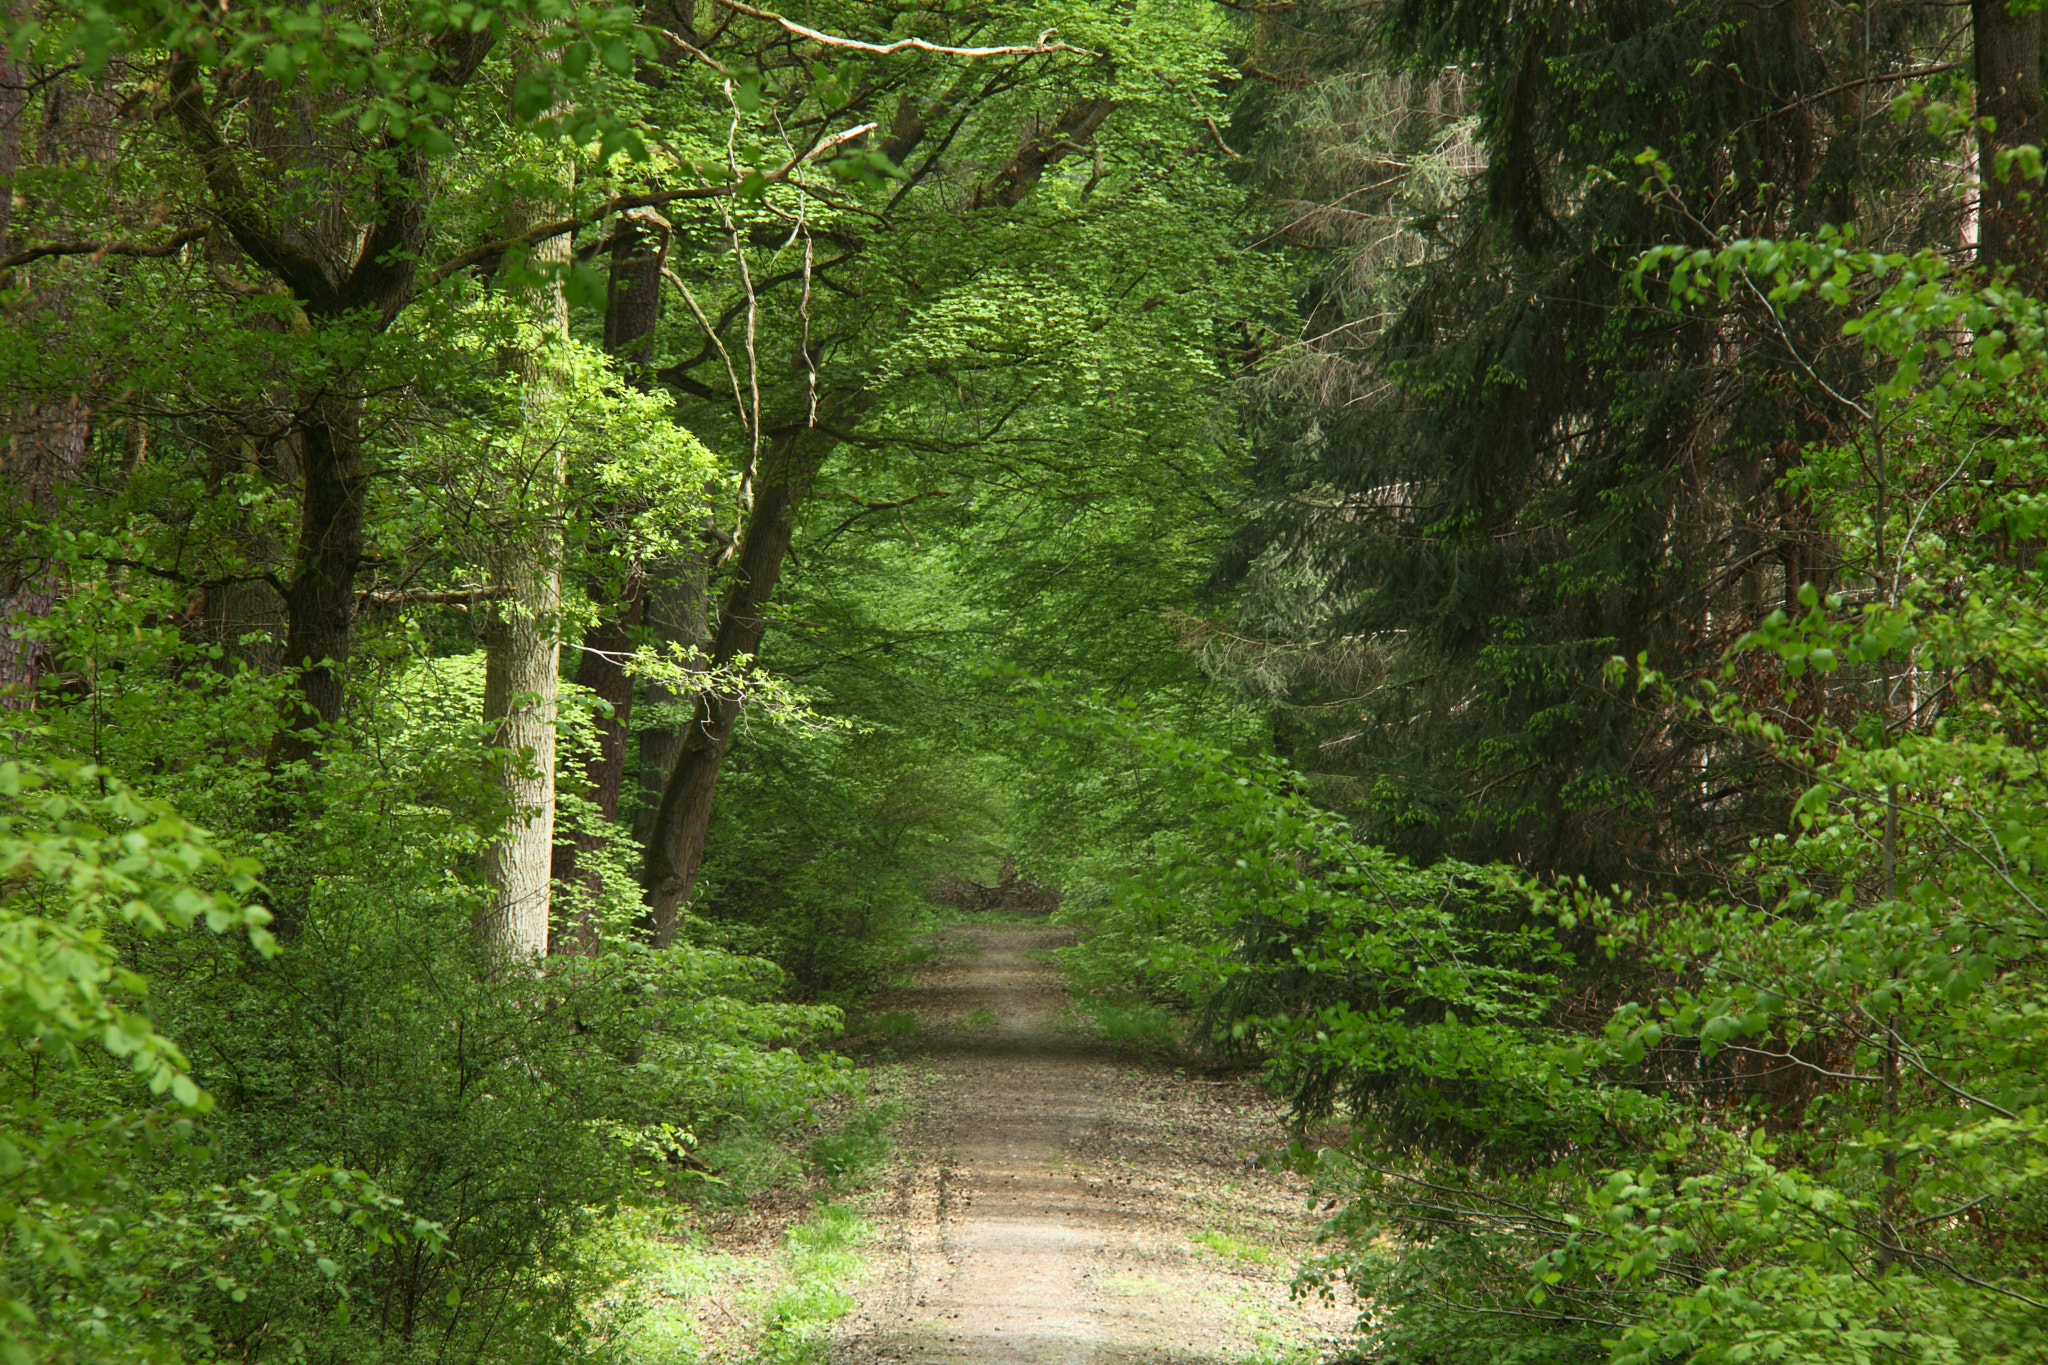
{"x": 1059, "y": 1200}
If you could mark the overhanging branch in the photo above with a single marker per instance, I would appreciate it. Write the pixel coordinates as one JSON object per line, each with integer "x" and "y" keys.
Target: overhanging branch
{"x": 1042, "y": 46}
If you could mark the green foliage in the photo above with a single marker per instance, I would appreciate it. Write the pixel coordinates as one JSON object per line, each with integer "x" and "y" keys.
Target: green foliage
{"x": 826, "y": 842}
{"x": 1136, "y": 1022}
{"x": 114, "y": 1253}
{"x": 377, "y": 1151}
{"x": 1485, "y": 464}
{"x": 821, "y": 1258}
{"x": 1847, "y": 1158}
{"x": 1414, "y": 995}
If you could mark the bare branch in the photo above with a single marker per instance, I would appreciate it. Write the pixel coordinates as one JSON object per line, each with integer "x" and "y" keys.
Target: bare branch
{"x": 739, "y": 403}
{"x": 874, "y": 505}
{"x": 1041, "y": 47}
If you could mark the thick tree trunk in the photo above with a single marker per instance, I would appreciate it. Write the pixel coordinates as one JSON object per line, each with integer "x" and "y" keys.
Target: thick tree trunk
{"x": 320, "y": 600}
{"x": 522, "y": 652}
{"x": 2009, "y": 207}
{"x": 675, "y": 845}
{"x": 639, "y": 254}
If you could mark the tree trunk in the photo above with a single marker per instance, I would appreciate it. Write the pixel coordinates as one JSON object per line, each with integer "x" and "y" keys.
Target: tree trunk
{"x": 2008, "y": 58}
{"x": 678, "y": 612}
{"x": 675, "y": 844}
{"x": 522, "y": 646}
{"x": 601, "y": 668}
{"x": 522, "y": 652}
{"x": 44, "y": 443}
{"x": 44, "y": 452}
{"x": 639, "y": 254}
{"x": 320, "y": 600}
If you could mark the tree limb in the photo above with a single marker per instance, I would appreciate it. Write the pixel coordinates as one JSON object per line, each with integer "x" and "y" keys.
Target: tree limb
{"x": 307, "y": 278}
{"x": 884, "y": 49}
{"x": 1007, "y": 187}
{"x": 170, "y": 247}
{"x": 446, "y": 597}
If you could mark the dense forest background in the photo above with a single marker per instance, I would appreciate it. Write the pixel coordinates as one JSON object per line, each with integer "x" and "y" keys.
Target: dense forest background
{"x": 1490, "y": 553}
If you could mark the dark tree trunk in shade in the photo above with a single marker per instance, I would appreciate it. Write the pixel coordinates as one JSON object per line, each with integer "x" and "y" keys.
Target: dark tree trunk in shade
{"x": 44, "y": 437}
{"x": 43, "y": 452}
{"x": 320, "y": 600}
{"x": 675, "y": 845}
{"x": 678, "y": 607}
{"x": 2008, "y": 60}
{"x": 353, "y": 277}
{"x": 639, "y": 255}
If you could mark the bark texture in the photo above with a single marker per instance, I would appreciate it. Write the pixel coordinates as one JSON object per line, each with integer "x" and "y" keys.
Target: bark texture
{"x": 523, "y": 649}
{"x": 46, "y": 434}
{"x": 675, "y": 844}
{"x": 320, "y": 600}
{"x": 2008, "y": 60}
{"x": 639, "y": 254}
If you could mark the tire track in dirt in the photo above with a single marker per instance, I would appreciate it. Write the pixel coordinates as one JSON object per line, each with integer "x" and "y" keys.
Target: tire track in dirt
{"x": 1051, "y": 1189}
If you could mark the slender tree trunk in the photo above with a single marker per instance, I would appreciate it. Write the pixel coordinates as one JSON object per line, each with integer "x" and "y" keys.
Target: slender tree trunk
{"x": 522, "y": 654}
{"x": 18, "y": 662}
{"x": 675, "y": 845}
{"x": 2008, "y": 59}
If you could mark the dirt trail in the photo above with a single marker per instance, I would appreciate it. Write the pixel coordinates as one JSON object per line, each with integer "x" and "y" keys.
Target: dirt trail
{"x": 1062, "y": 1201}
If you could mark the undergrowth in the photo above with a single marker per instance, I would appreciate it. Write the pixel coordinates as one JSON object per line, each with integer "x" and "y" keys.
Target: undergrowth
{"x": 692, "y": 1293}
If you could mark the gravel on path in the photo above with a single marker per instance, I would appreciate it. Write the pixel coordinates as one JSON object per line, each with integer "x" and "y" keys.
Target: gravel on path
{"x": 1059, "y": 1200}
